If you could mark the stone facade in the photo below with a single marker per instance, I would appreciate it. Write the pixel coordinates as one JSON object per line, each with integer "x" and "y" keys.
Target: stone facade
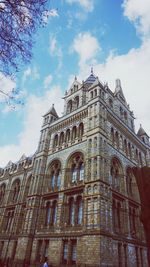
{"x": 76, "y": 200}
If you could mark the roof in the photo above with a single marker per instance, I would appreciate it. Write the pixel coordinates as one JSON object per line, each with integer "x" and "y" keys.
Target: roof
{"x": 141, "y": 131}
{"x": 91, "y": 79}
{"x": 52, "y": 111}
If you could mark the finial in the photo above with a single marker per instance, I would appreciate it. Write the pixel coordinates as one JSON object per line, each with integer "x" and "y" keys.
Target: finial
{"x": 52, "y": 105}
{"x": 75, "y": 78}
{"x": 91, "y": 70}
{"x": 118, "y": 83}
{"x": 140, "y": 125}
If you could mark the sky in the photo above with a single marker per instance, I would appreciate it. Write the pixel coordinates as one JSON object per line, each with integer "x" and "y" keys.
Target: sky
{"x": 112, "y": 36}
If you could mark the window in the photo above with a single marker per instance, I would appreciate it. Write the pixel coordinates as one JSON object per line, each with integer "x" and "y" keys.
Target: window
{"x": 73, "y": 251}
{"x": 116, "y": 173}
{"x": 76, "y": 102}
{"x": 9, "y": 220}
{"x": 132, "y": 219}
{"x": 81, "y": 171}
{"x": 71, "y": 211}
{"x": 74, "y": 174}
{"x": 55, "y": 144}
{"x": 81, "y": 130}
{"x": 48, "y": 214}
{"x": 65, "y": 251}
{"x": 76, "y": 166}
{"x": 61, "y": 139}
{"x": 79, "y": 210}
{"x": 69, "y": 106}
{"x": 129, "y": 182}
{"x": 74, "y": 133}
{"x": 54, "y": 172}
{"x": 67, "y": 135}
{"x": 54, "y": 212}
{"x": 117, "y": 214}
{"x": 15, "y": 190}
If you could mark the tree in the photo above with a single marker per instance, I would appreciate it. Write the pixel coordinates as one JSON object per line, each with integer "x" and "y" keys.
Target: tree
{"x": 18, "y": 21}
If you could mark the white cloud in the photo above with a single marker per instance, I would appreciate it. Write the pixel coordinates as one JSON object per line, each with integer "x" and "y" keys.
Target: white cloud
{"x": 88, "y": 5}
{"x": 50, "y": 13}
{"x": 55, "y": 49}
{"x": 6, "y": 86}
{"x": 87, "y": 47}
{"x": 35, "y": 108}
{"x": 132, "y": 68}
{"x": 47, "y": 81}
{"x": 33, "y": 73}
{"x": 138, "y": 12}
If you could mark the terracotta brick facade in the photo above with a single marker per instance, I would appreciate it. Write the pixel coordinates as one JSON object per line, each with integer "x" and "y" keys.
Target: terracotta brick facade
{"x": 76, "y": 200}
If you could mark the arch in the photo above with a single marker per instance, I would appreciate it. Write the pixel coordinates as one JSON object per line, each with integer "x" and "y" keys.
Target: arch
{"x": 132, "y": 188}
{"x": 81, "y": 130}
{"x": 61, "y": 138}
{"x": 15, "y": 189}
{"x": 74, "y": 133}
{"x": 116, "y": 172}
{"x": 55, "y": 143}
{"x": 76, "y": 102}
{"x": 67, "y": 136}
{"x": 75, "y": 165}
{"x": 69, "y": 106}
{"x": 54, "y": 175}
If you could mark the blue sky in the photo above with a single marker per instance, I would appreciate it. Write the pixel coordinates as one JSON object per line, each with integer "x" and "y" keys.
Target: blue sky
{"x": 112, "y": 36}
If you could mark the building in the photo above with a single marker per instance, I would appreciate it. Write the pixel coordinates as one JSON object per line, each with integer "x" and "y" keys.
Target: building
{"x": 76, "y": 200}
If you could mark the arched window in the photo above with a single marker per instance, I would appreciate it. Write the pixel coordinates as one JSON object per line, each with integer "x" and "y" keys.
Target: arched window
{"x": 76, "y": 102}
{"x": 91, "y": 93}
{"x": 61, "y": 139}
{"x": 71, "y": 211}
{"x": 55, "y": 144}
{"x": 116, "y": 207}
{"x": 74, "y": 132}
{"x": 15, "y": 190}
{"x": 95, "y": 92}
{"x": 69, "y": 106}
{"x": 76, "y": 166}
{"x": 67, "y": 135}
{"x": 54, "y": 173}
{"x": 79, "y": 210}
{"x": 2, "y": 192}
{"x": 48, "y": 214}
{"x": 116, "y": 173}
{"x": 81, "y": 130}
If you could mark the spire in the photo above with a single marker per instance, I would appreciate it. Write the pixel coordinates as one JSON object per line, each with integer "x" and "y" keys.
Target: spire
{"x": 118, "y": 90}
{"x": 75, "y": 78}
{"x": 141, "y": 131}
{"x": 91, "y": 79}
{"x": 52, "y": 111}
